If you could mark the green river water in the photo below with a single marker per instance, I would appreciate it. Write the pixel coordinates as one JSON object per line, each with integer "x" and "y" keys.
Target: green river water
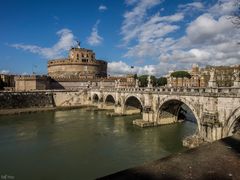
{"x": 81, "y": 144}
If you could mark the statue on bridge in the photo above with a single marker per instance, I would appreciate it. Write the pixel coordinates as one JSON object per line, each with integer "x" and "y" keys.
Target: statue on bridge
{"x": 137, "y": 83}
{"x": 101, "y": 84}
{"x": 149, "y": 82}
{"x": 89, "y": 84}
{"x": 117, "y": 83}
{"x": 236, "y": 76}
{"x": 212, "y": 81}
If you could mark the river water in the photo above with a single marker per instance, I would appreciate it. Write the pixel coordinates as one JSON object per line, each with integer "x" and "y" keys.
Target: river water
{"x": 81, "y": 144}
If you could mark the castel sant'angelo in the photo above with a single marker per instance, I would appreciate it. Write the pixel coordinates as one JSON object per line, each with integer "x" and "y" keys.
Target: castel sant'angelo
{"x": 81, "y": 63}
{"x": 79, "y": 70}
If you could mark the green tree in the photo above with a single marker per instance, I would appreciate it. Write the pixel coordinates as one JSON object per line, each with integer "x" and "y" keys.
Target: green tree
{"x": 162, "y": 81}
{"x": 143, "y": 79}
{"x": 181, "y": 74}
{"x": 154, "y": 80}
{"x": 1, "y": 84}
{"x": 135, "y": 76}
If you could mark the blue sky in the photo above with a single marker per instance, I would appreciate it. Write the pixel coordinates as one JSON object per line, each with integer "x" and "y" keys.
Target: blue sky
{"x": 154, "y": 36}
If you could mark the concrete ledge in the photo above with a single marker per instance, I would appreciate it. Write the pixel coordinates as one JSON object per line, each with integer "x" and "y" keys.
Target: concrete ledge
{"x": 142, "y": 123}
{"x": 218, "y": 160}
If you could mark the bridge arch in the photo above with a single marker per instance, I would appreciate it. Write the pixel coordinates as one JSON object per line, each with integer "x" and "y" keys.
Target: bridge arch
{"x": 172, "y": 105}
{"x": 233, "y": 123}
{"x": 95, "y": 98}
{"x": 110, "y": 100}
{"x": 132, "y": 101}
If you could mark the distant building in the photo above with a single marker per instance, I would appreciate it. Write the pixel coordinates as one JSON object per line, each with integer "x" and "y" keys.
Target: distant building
{"x": 200, "y": 77}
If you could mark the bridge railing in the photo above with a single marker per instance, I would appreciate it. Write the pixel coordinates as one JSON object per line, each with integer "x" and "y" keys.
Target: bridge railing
{"x": 177, "y": 90}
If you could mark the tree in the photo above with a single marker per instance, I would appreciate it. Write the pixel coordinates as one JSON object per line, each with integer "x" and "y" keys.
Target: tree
{"x": 144, "y": 80}
{"x": 162, "y": 81}
{"x": 181, "y": 74}
{"x": 135, "y": 76}
{"x": 1, "y": 84}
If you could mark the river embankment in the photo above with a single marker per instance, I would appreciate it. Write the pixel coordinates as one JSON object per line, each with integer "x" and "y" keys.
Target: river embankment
{"x": 37, "y": 101}
{"x": 217, "y": 160}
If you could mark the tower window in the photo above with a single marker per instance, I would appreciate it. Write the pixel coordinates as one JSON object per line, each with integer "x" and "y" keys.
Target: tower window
{"x": 77, "y": 56}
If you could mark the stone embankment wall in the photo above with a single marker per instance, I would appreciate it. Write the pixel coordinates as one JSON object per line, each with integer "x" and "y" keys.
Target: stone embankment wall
{"x": 17, "y": 100}
{"x": 14, "y": 100}
{"x": 69, "y": 99}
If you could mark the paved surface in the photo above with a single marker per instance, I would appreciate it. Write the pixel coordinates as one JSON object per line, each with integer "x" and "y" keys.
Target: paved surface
{"x": 219, "y": 160}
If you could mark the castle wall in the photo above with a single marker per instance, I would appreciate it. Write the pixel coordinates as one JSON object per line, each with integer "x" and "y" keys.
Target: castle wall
{"x": 77, "y": 70}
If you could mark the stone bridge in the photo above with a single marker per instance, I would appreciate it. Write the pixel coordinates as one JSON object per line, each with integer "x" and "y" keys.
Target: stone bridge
{"x": 216, "y": 110}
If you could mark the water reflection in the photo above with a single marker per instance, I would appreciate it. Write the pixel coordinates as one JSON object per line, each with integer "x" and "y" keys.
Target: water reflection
{"x": 81, "y": 144}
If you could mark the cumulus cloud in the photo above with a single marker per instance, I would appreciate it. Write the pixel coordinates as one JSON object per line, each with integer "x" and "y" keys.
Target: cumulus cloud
{"x": 207, "y": 29}
{"x": 95, "y": 39}
{"x": 66, "y": 40}
{"x": 135, "y": 17}
{"x": 223, "y": 7}
{"x": 147, "y": 32}
{"x": 209, "y": 39}
{"x": 162, "y": 68}
{"x": 102, "y": 8}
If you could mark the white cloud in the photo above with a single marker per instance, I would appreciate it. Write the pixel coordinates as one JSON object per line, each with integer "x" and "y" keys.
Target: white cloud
{"x": 209, "y": 39}
{"x": 64, "y": 44}
{"x": 102, "y": 8}
{"x": 4, "y": 71}
{"x": 147, "y": 32}
{"x": 150, "y": 35}
{"x": 156, "y": 70}
{"x": 191, "y": 7}
{"x": 95, "y": 39}
{"x": 205, "y": 28}
{"x": 25, "y": 73}
{"x": 134, "y": 18}
{"x": 223, "y": 7}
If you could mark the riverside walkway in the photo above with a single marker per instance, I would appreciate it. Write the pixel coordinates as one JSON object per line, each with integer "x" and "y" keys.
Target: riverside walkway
{"x": 217, "y": 160}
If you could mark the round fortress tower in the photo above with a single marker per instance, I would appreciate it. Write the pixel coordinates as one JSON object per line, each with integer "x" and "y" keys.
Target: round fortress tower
{"x": 81, "y": 63}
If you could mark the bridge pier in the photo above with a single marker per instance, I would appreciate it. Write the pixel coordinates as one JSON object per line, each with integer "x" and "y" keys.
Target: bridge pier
{"x": 148, "y": 114}
{"x": 118, "y": 109}
{"x": 210, "y": 132}
{"x": 147, "y": 118}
